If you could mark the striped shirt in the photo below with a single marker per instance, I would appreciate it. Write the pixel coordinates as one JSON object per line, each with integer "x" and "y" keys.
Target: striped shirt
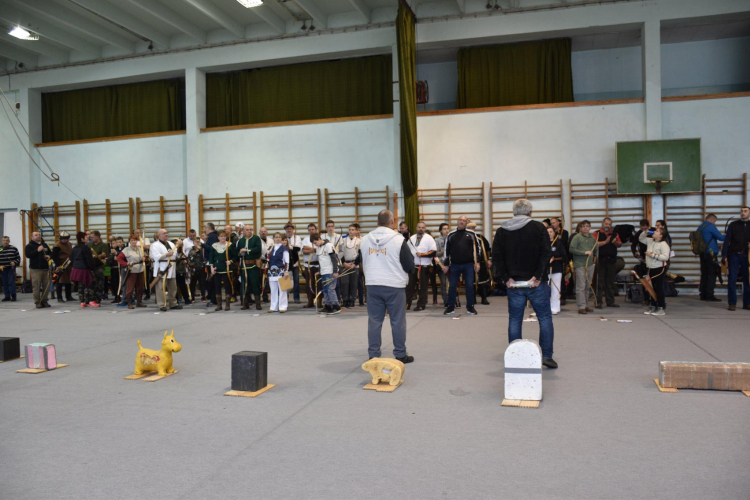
{"x": 8, "y": 255}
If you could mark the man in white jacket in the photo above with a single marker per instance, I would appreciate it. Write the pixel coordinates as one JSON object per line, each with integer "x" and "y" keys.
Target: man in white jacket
{"x": 162, "y": 254}
{"x": 386, "y": 261}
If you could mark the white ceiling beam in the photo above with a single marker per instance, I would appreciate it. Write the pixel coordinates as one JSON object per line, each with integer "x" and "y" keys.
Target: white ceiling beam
{"x": 16, "y": 54}
{"x": 264, "y": 12}
{"x": 364, "y": 9}
{"x": 119, "y": 16}
{"x": 161, "y": 11}
{"x": 68, "y": 19}
{"x": 40, "y": 47}
{"x": 461, "y": 6}
{"x": 321, "y": 20}
{"x": 46, "y": 30}
{"x": 219, "y": 16}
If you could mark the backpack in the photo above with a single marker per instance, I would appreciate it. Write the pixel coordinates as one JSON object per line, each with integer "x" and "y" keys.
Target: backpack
{"x": 697, "y": 244}
{"x": 26, "y": 286}
{"x": 635, "y": 294}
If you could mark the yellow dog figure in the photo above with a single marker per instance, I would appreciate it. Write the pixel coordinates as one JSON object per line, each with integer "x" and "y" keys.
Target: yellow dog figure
{"x": 384, "y": 369}
{"x": 148, "y": 360}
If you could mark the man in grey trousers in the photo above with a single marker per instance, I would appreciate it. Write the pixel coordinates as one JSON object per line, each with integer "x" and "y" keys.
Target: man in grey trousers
{"x": 386, "y": 261}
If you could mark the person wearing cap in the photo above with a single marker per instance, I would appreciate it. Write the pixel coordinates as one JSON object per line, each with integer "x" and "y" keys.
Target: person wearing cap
{"x": 61, "y": 253}
{"x": 9, "y": 260}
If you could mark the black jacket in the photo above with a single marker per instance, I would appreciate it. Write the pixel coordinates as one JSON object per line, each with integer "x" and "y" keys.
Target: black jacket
{"x": 738, "y": 237}
{"x": 36, "y": 258}
{"x": 522, "y": 254}
{"x": 461, "y": 247}
{"x": 82, "y": 258}
{"x": 210, "y": 240}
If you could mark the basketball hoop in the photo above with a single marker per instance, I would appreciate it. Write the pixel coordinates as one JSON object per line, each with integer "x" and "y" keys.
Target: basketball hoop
{"x": 657, "y": 174}
{"x": 658, "y": 183}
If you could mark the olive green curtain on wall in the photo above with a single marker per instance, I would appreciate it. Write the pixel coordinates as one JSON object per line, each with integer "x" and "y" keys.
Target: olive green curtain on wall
{"x": 407, "y": 89}
{"x": 309, "y": 91}
{"x": 515, "y": 74}
{"x": 138, "y": 108}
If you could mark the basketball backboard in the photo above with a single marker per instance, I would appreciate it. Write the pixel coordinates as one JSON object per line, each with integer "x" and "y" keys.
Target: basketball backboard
{"x": 649, "y": 167}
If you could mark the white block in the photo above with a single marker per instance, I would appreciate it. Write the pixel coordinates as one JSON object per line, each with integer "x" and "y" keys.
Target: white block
{"x": 523, "y": 371}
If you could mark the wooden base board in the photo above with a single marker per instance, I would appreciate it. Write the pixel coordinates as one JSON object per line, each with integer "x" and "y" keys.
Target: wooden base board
{"x": 40, "y": 370}
{"x": 8, "y": 360}
{"x": 520, "y": 403}
{"x": 664, "y": 389}
{"x": 746, "y": 393}
{"x": 383, "y": 387}
{"x": 149, "y": 376}
{"x": 248, "y": 394}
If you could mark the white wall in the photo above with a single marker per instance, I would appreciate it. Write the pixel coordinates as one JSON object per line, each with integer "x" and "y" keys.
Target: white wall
{"x": 607, "y": 74}
{"x": 118, "y": 170}
{"x": 442, "y": 79}
{"x": 706, "y": 67}
{"x": 337, "y": 156}
{"x": 14, "y": 189}
{"x": 711, "y": 66}
{"x": 723, "y": 126}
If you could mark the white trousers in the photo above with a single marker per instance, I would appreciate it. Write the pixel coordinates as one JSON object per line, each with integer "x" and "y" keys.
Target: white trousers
{"x": 555, "y": 281}
{"x": 278, "y": 297}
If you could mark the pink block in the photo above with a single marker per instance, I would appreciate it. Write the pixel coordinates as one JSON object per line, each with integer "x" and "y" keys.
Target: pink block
{"x": 42, "y": 356}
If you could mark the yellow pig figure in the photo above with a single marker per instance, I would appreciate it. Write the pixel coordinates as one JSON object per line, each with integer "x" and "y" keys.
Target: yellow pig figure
{"x": 148, "y": 360}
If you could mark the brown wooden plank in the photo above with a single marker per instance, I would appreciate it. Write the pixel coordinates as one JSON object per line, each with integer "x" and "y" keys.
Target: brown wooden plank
{"x": 248, "y": 394}
{"x": 530, "y": 106}
{"x": 298, "y": 122}
{"x": 108, "y": 139}
{"x": 727, "y": 95}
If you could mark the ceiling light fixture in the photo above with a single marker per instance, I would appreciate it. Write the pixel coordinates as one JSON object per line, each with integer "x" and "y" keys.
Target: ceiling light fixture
{"x": 22, "y": 34}
{"x": 251, "y": 3}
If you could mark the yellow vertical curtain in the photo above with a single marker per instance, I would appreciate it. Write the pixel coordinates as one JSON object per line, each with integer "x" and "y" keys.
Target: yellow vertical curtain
{"x": 515, "y": 74}
{"x": 407, "y": 86}
{"x": 137, "y": 108}
{"x": 310, "y": 91}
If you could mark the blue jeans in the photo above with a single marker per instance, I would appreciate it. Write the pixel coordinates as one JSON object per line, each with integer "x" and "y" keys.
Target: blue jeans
{"x": 329, "y": 289}
{"x": 379, "y": 300}
{"x": 467, "y": 270}
{"x": 295, "y": 279}
{"x": 738, "y": 268}
{"x": 9, "y": 281}
{"x": 539, "y": 298}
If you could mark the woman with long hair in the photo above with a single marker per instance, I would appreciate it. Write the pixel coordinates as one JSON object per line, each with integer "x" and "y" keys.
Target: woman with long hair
{"x": 657, "y": 256}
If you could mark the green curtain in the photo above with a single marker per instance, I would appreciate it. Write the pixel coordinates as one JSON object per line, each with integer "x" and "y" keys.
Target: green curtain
{"x": 407, "y": 89}
{"x": 309, "y": 91}
{"x": 137, "y": 108}
{"x": 513, "y": 74}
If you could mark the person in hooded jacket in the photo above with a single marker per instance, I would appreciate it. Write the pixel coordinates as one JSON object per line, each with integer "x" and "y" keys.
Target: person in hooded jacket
{"x": 387, "y": 261}
{"x": 521, "y": 252}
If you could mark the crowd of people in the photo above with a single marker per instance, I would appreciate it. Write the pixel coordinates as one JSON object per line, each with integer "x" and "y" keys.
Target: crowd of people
{"x": 236, "y": 265}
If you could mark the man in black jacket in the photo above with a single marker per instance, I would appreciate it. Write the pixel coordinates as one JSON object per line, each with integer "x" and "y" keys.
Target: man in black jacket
{"x": 462, "y": 255}
{"x": 212, "y": 237}
{"x": 521, "y": 252}
{"x": 736, "y": 248}
{"x": 39, "y": 255}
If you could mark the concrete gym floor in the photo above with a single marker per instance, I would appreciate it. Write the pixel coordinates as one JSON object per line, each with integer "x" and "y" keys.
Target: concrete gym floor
{"x": 603, "y": 430}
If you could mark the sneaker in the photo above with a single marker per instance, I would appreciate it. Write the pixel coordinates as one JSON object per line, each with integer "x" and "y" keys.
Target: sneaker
{"x": 122, "y": 304}
{"x": 335, "y": 310}
{"x": 6, "y": 299}
{"x": 406, "y": 359}
{"x": 418, "y": 308}
{"x": 599, "y": 306}
{"x": 164, "y": 309}
{"x": 549, "y": 363}
{"x": 471, "y": 311}
{"x": 94, "y": 304}
{"x": 582, "y": 311}
{"x": 13, "y": 297}
{"x": 449, "y": 310}
{"x": 177, "y": 307}
{"x": 658, "y": 312}
{"x": 613, "y": 305}
{"x": 589, "y": 310}
{"x": 555, "y": 313}
{"x": 46, "y": 304}
{"x": 272, "y": 311}
{"x": 731, "y": 308}
{"x": 83, "y": 304}
{"x": 712, "y": 299}
{"x": 650, "y": 310}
